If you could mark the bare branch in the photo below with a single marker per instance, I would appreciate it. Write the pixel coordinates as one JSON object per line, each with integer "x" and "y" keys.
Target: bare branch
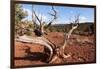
{"x": 54, "y": 15}
{"x": 39, "y": 20}
{"x": 33, "y": 18}
{"x": 75, "y": 24}
{"x": 36, "y": 17}
{"x": 66, "y": 38}
{"x": 77, "y": 18}
{"x": 70, "y": 32}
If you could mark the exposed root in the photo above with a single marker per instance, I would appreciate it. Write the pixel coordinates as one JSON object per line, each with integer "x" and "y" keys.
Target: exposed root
{"x": 66, "y": 56}
{"x": 53, "y": 59}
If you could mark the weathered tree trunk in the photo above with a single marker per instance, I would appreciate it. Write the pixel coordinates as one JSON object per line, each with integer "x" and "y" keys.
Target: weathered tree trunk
{"x": 38, "y": 40}
{"x": 55, "y": 51}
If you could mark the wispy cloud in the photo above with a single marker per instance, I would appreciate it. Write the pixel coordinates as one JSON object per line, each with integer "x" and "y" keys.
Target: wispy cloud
{"x": 83, "y": 19}
{"x": 29, "y": 12}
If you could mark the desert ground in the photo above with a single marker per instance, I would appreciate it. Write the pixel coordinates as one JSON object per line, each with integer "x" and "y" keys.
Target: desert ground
{"x": 81, "y": 47}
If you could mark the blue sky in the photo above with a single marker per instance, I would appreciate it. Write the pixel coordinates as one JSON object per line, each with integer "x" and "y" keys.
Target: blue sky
{"x": 65, "y": 14}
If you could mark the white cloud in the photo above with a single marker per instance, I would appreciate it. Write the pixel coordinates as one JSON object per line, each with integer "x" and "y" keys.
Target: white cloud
{"x": 83, "y": 19}
{"x": 28, "y": 11}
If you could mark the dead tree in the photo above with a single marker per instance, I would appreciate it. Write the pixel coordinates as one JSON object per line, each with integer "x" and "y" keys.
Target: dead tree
{"x": 40, "y": 31}
{"x": 55, "y": 51}
{"x": 74, "y": 23}
{"x": 59, "y": 51}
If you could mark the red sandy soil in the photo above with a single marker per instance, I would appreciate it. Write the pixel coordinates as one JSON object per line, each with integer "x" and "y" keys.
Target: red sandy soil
{"x": 81, "y": 48}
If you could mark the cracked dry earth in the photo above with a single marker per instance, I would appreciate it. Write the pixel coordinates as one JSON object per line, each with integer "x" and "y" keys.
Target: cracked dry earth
{"x": 82, "y": 50}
